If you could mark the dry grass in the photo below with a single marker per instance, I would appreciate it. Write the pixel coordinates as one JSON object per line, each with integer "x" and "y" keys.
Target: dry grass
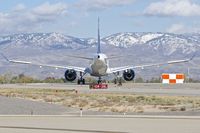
{"x": 106, "y": 102}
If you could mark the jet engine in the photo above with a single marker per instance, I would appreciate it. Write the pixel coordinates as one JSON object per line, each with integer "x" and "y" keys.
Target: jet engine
{"x": 70, "y": 75}
{"x": 129, "y": 75}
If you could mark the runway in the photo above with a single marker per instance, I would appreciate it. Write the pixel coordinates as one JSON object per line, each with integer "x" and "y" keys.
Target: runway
{"x": 69, "y": 124}
{"x": 187, "y": 89}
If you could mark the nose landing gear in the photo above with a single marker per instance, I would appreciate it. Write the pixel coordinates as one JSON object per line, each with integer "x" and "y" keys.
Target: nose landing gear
{"x": 99, "y": 80}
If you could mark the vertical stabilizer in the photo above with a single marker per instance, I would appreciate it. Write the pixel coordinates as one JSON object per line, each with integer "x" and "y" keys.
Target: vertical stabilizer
{"x": 99, "y": 45}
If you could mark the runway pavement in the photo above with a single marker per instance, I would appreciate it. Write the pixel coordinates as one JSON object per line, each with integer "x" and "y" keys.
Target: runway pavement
{"x": 107, "y": 124}
{"x": 187, "y": 89}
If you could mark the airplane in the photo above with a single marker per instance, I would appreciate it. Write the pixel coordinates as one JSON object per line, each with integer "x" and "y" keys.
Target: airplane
{"x": 99, "y": 66}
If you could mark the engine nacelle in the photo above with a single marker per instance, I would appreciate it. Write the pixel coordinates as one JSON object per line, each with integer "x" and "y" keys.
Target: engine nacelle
{"x": 129, "y": 75}
{"x": 70, "y": 75}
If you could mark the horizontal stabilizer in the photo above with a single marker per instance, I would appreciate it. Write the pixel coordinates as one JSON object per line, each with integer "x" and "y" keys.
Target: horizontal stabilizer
{"x": 79, "y": 57}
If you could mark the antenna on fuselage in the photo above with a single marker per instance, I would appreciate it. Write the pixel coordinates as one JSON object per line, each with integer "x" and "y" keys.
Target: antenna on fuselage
{"x": 98, "y": 43}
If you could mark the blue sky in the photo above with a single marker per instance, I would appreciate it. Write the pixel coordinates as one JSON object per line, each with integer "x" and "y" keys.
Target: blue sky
{"x": 79, "y": 17}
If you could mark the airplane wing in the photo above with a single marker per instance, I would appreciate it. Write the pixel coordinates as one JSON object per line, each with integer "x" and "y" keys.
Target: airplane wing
{"x": 123, "y": 68}
{"x": 79, "y": 69}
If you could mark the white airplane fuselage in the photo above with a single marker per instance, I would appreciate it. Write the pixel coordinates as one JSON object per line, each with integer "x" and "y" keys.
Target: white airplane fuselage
{"x": 99, "y": 65}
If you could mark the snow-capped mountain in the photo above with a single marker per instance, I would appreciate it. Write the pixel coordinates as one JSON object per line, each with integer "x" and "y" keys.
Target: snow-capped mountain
{"x": 165, "y": 42}
{"x": 129, "y": 39}
{"x": 45, "y": 40}
{"x": 188, "y": 43}
{"x": 144, "y": 48}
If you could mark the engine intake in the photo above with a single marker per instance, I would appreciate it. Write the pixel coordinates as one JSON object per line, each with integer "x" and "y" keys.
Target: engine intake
{"x": 129, "y": 75}
{"x": 70, "y": 75}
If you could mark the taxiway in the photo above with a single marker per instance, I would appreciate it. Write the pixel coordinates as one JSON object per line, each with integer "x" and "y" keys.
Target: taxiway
{"x": 93, "y": 124}
{"x": 187, "y": 89}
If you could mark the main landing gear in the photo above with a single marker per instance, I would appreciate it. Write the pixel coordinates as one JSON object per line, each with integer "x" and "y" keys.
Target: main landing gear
{"x": 118, "y": 79}
{"x": 81, "y": 80}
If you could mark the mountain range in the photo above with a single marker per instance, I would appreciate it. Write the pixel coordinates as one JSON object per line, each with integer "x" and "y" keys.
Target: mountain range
{"x": 137, "y": 49}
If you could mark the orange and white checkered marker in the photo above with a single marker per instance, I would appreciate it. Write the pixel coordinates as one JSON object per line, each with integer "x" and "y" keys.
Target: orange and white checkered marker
{"x": 173, "y": 78}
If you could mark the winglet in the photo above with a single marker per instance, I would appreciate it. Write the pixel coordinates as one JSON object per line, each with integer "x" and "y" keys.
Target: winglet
{"x": 5, "y": 57}
{"x": 192, "y": 57}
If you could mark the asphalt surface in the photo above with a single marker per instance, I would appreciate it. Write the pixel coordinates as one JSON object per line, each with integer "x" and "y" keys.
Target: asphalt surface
{"x": 16, "y": 106}
{"x": 67, "y": 124}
